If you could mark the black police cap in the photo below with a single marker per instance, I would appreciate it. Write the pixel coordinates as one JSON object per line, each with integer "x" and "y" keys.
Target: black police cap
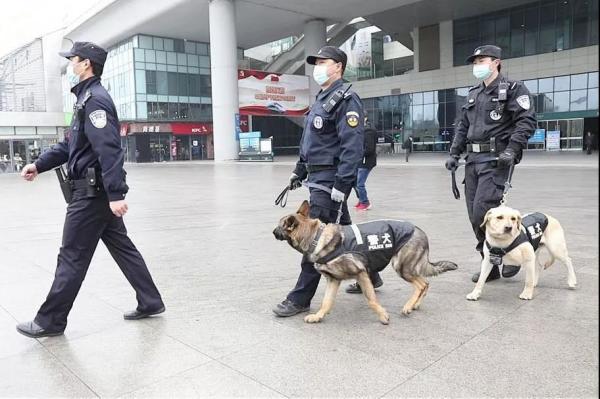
{"x": 487, "y": 50}
{"x": 86, "y": 50}
{"x": 329, "y": 52}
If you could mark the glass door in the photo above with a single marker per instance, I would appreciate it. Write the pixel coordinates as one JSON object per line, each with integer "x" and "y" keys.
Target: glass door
{"x": 5, "y": 157}
{"x": 19, "y": 151}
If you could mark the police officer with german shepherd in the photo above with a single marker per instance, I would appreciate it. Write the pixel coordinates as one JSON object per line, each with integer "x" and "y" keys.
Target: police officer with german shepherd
{"x": 95, "y": 191}
{"x": 331, "y": 149}
{"x": 493, "y": 130}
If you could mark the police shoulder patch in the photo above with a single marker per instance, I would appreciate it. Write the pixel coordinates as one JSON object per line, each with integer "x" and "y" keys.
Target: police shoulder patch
{"x": 352, "y": 118}
{"x": 523, "y": 101}
{"x": 98, "y": 118}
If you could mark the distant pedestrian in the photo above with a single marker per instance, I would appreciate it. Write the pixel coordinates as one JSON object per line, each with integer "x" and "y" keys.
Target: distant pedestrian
{"x": 588, "y": 142}
{"x": 407, "y": 146}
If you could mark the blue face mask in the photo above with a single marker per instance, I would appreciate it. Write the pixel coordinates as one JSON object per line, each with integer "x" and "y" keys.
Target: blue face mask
{"x": 482, "y": 71}
{"x": 320, "y": 74}
{"x": 72, "y": 77}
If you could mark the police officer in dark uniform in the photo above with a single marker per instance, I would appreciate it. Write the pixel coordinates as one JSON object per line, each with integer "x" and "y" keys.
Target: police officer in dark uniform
{"x": 494, "y": 127}
{"x": 94, "y": 157}
{"x": 331, "y": 150}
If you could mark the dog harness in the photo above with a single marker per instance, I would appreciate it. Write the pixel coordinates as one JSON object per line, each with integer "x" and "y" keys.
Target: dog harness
{"x": 376, "y": 242}
{"x": 532, "y": 230}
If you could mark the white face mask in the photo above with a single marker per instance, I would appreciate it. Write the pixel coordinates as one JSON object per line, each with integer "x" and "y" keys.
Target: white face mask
{"x": 482, "y": 71}
{"x": 72, "y": 77}
{"x": 320, "y": 74}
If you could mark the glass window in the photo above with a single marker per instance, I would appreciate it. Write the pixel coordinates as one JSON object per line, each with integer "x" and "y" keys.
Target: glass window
{"x": 183, "y": 111}
{"x": 168, "y": 43}
{"x": 592, "y": 99}
{"x": 546, "y": 85}
{"x": 190, "y": 47}
{"x": 178, "y": 46}
{"x": 158, "y": 43}
{"x": 517, "y": 33}
{"x": 561, "y": 83}
{"x": 593, "y": 79}
{"x": 172, "y": 58}
{"x": 561, "y": 101}
{"x": 581, "y": 22}
{"x": 547, "y": 31}
{"x": 531, "y": 28}
{"x": 161, "y": 57}
{"x": 578, "y": 100}
{"x": 181, "y": 59}
{"x": 417, "y": 98}
{"x": 503, "y": 32}
{"x": 579, "y": 81}
{"x": 544, "y": 102}
{"x": 183, "y": 83}
{"x": 417, "y": 112}
{"x": 563, "y": 25}
{"x": 202, "y": 48}
{"x": 204, "y": 62}
{"x": 145, "y": 42}
{"x": 140, "y": 81}
{"x": 162, "y": 83}
{"x": 173, "y": 111}
{"x": 428, "y": 97}
{"x": 138, "y": 55}
{"x": 172, "y": 79}
{"x": 150, "y": 82}
{"x": 150, "y": 56}
{"x": 192, "y": 60}
{"x": 486, "y": 30}
{"x": 532, "y": 85}
{"x": 142, "y": 110}
{"x": 205, "y": 86}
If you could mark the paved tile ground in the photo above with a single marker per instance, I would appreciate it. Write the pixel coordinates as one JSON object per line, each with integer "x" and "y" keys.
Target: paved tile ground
{"x": 205, "y": 231}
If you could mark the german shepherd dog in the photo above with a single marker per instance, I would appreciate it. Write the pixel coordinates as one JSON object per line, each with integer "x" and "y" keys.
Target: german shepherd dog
{"x": 318, "y": 241}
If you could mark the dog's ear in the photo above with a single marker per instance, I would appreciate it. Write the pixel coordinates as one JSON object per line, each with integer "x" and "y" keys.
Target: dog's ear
{"x": 304, "y": 208}
{"x": 519, "y": 220}
{"x": 290, "y": 223}
{"x": 486, "y": 218}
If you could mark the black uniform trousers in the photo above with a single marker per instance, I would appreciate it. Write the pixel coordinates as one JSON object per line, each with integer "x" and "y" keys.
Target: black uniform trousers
{"x": 89, "y": 220}
{"x": 484, "y": 185}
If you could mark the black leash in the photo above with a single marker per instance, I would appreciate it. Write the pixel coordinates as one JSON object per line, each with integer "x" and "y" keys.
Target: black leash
{"x": 281, "y": 199}
{"x": 455, "y": 189}
{"x": 507, "y": 184}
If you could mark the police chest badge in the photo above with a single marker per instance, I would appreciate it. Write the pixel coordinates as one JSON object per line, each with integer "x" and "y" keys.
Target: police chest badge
{"x": 318, "y": 122}
{"x": 495, "y": 116}
{"x": 98, "y": 118}
{"x": 523, "y": 101}
{"x": 352, "y": 118}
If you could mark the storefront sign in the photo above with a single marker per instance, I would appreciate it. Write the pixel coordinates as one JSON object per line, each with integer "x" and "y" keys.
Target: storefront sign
{"x": 553, "y": 140}
{"x": 186, "y": 129}
{"x": 265, "y": 93}
{"x": 149, "y": 128}
{"x": 177, "y": 128}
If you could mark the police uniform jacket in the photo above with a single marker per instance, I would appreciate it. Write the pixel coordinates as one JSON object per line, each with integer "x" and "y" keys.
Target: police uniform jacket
{"x": 333, "y": 139}
{"x": 484, "y": 116}
{"x": 93, "y": 141}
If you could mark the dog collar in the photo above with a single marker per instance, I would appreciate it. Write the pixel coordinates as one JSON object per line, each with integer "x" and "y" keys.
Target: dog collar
{"x": 313, "y": 244}
{"x": 496, "y": 253}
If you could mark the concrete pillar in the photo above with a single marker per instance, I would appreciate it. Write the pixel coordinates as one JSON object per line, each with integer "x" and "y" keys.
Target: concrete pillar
{"x": 415, "y": 36}
{"x": 315, "y": 37}
{"x": 223, "y": 67}
{"x": 446, "y": 45}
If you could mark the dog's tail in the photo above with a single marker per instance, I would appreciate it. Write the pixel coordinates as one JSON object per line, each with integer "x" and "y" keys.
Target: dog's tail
{"x": 435, "y": 268}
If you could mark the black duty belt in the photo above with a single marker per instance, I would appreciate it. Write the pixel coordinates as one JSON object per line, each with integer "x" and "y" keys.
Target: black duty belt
{"x": 318, "y": 168}
{"x": 479, "y": 147}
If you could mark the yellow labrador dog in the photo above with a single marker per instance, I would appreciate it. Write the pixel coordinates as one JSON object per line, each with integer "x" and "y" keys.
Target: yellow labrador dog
{"x": 517, "y": 240}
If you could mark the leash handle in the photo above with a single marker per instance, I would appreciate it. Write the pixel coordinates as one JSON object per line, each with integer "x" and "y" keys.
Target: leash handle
{"x": 455, "y": 190}
{"x": 507, "y": 184}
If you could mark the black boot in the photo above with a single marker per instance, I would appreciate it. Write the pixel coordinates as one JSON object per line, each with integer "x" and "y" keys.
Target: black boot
{"x": 354, "y": 288}
{"x": 288, "y": 308}
{"x": 494, "y": 275}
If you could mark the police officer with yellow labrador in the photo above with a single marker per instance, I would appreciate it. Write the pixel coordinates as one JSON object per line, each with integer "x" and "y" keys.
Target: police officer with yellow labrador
{"x": 95, "y": 191}
{"x": 331, "y": 149}
{"x": 493, "y": 130}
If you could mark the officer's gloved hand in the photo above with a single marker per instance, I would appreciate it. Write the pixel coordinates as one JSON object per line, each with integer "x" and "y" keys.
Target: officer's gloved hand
{"x": 337, "y": 195}
{"x": 452, "y": 162}
{"x": 295, "y": 181}
{"x": 507, "y": 157}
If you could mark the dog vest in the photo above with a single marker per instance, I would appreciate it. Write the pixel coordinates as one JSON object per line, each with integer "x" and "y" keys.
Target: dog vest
{"x": 376, "y": 242}
{"x": 533, "y": 227}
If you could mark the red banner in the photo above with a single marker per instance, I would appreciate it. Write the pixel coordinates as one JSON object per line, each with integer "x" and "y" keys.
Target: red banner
{"x": 187, "y": 129}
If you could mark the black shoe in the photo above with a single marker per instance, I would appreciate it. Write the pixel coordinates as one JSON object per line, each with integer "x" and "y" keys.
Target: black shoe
{"x": 509, "y": 270}
{"x": 136, "y": 314}
{"x": 354, "y": 288}
{"x": 32, "y": 330}
{"x": 494, "y": 275}
{"x": 288, "y": 308}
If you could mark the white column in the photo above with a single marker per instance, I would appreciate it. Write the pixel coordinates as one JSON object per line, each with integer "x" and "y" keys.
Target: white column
{"x": 446, "y": 45}
{"x": 223, "y": 69}
{"x": 415, "y": 36}
{"x": 315, "y": 37}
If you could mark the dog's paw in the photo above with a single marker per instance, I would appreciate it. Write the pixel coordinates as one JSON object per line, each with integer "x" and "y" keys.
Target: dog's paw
{"x": 473, "y": 296}
{"x": 313, "y": 318}
{"x": 384, "y": 318}
{"x": 526, "y": 295}
{"x": 406, "y": 310}
{"x": 572, "y": 283}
